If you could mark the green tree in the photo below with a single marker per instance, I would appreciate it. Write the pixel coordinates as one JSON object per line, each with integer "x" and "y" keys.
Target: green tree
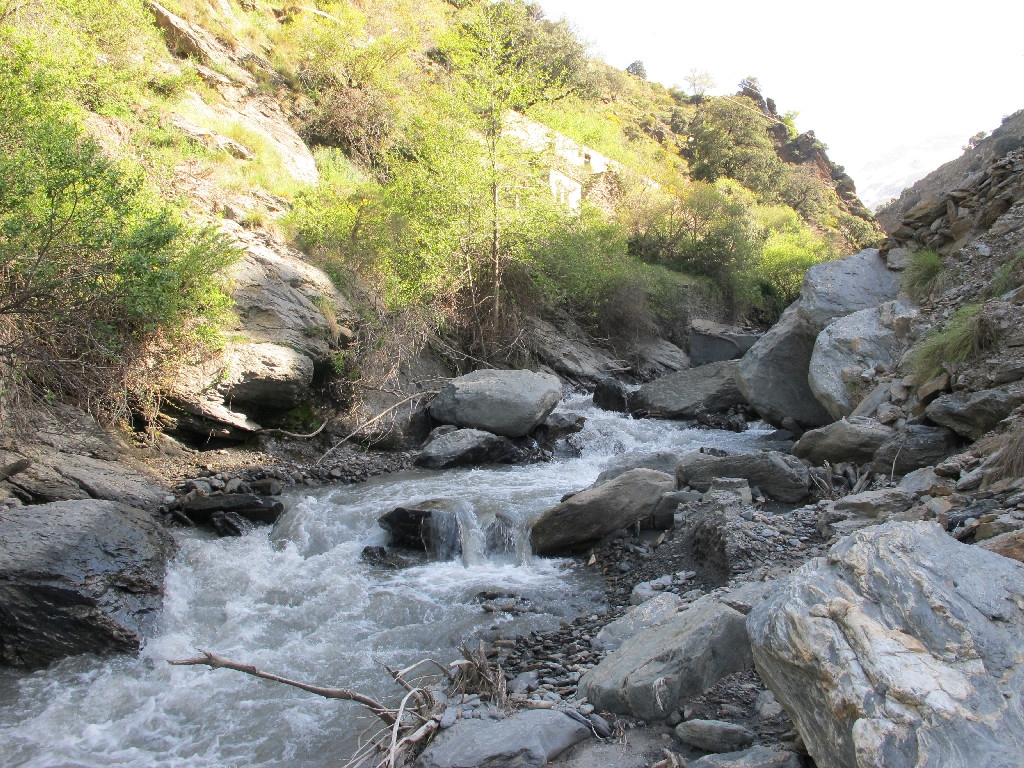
{"x": 729, "y": 138}
{"x": 637, "y": 69}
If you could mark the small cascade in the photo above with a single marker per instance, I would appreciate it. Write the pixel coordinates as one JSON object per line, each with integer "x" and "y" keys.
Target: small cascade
{"x": 509, "y": 534}
{"x": 474, "y": 542}
{"x": 444, "y": 541}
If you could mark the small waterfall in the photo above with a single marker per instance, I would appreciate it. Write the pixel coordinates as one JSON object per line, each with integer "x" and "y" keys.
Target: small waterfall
{"x": 474, "y": 542}
{"x": 509, "y": 534}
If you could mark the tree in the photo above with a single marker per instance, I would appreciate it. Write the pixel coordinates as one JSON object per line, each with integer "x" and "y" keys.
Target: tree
{"x": 700, "y": 82}
{"x": 637, "y": 69}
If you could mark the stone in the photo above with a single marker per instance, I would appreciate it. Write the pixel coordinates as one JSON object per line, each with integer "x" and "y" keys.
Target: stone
{"x": 564, "y": 348}
{"x": 926, "y": 481}
{"x": 430, "y": 526}
{"x": 611, "y": 395}
{"x": 254, "y": 508}
{"x": 972, "y": 414}
{"x": 854, "y": 440}
{"x": 773, "y": 374}
{"x": 782, "y": 477}
{"x": 881, "y": 504}
{"x": 712, "y": 342}
{"x": 658, "y": 357}
{"x": 651, "y": 673}
{"x": 901, "y": 648}
{"x": 933, "y": 388}
{"x": 745, "y": 597}
{"x": 858, "y": 341}
{"x": 507, "y": 403}
{"x": 81, "y": 576}
{"x": 382, "y": 558}
{"x": 912, "y": 447}
{"x": 597, "y": 512}
{"x": 560, "y": 425}
{"x": 755, "y": 757}
{"x": 898, "y": 258}
{"x": 659, "y": 607}
{"x": 526, "y": 740}
{"x": 661, "y": 461}
{"x": 1009, "y": 545}
{"x": 230, "y": 524}
{"x": 715, "y": 735}
{"x": 465, "y": 447}
{"x": 682, "y": 395}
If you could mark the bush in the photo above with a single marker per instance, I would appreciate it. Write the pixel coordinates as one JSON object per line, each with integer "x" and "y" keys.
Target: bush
{"x": 103, "y": 283}
{"x": 925, "y": 274}
{"x": 966, "y": 335}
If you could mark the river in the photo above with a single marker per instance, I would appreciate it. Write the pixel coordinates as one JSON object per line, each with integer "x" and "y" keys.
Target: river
{"x": 296, "y": 600}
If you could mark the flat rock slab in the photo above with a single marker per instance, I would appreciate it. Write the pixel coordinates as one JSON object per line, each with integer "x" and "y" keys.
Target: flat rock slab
{"x": 635, "y": 620}
{"x": 781, "y": 476}
{"x": 78, "y": 577}
{"x": 710, "y": 388}
{"x": 508, "y": 403}
{"x": 972, "y": 414}
{"x": 684, "y": 655}
{"x": 527, "y": 740}
{"x": 901, "y": 648}
{"x": 258, "y": 509}
{"x": 593, "y": 514}
{"x": 755, "y": 757}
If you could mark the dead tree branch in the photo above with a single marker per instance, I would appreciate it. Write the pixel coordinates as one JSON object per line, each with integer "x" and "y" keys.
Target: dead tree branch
{"x": 376, "y": 418}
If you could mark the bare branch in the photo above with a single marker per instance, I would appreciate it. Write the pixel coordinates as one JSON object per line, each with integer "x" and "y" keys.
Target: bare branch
{"x": 367, "y": 423}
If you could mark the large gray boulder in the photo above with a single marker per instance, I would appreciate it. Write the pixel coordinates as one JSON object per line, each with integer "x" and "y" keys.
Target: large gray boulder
{"x": 635, "y": 620}
{"x": 527, "y": 740}
{"x": 662, "y": 461}
{"x": 465, "y": 447}
{"x": 855, "y": 440}
{"x": 564, "y": 348}
{"x": 76, "y": 577}
{"x": 782, "y": 477}
{"x": 684, "y": 394}
{"x": 972, "y": 414}
{"x": 509, "y": 403}
{"x": 773, "y": 374}
{"x": 654, "y": 671}
{"x": 593, "y": 514}
{"x": 847, "y": 347}
{"x": 900, "y": 649}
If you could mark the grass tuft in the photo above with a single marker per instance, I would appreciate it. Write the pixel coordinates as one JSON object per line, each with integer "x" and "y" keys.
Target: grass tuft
{"x": 924, "y": 275}
{"x": 967, "y": 334}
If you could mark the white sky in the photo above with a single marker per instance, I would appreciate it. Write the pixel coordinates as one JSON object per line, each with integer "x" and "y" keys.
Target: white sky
{"x": 893, "y": 87}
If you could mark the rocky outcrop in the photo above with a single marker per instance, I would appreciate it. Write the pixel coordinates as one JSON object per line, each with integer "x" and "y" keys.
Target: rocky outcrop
{"x": 527, "y": 740}
{"x": 465, "y": 447}
{"x": 76, "y": 577}
{"x": 773, "y": 374}
{"x": 899, "y": 649}
{"x": 782, "y": 477}
{"x": 684, "y": 655}
{"x": 508, "y": 403}
{"x": 856, "y": 440}
{"x": 849, "y": 351}
{"x": 709, "y": 388}
{"x": 563, "y": 347}
{"x": 592, "y": 514}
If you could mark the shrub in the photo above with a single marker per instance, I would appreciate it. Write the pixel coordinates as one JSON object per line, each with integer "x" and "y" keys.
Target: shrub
{"x": 925, "y": 274}
{"x": 967, "y": 333}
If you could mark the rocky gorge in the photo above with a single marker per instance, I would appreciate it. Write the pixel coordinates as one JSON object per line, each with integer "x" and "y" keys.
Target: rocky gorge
{"x": 791, "y": 548}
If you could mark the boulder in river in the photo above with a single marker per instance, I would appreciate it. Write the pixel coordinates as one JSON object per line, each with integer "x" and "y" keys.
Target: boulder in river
{"x": 652, "y": 672}
{"x": 782, "y": 477}
{"x": 429, "y": 526}
{"x": 465, "y": 447}
{"x": 81, "y": 576}
{"x": 900, "y": 649}
{"x": 684, "y": 394}
{"x": 594, "y": 513}
{"x": 258, "y": 509}
{"x": 610, "y": 394}
{"x": 508, "y": 403}
{"x": 526, "y": 740}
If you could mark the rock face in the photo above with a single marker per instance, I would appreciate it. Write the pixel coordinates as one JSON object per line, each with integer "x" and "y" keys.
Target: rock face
{"x": 782, "y": 477}
{"x": 972, "y": 414}
{"x": 465, "y": 447}
{"x": 508, "y": 403}
{"x": 773, "y": 375}
{"x": 592, "y": 514}
{"x": 682, "y": 395}
{"x": 849, "y": 346}
{"x": 901, "y": 649}
{"x": 78, "y": 577}
{"x": 527, "y": 740}
{"x": 684, "y": 655}
{"x": 563, "y": 347}
{"x": 855, "y": 439}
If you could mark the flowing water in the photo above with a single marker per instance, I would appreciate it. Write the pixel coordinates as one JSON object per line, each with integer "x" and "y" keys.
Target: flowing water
{"x": 297, "y": 601}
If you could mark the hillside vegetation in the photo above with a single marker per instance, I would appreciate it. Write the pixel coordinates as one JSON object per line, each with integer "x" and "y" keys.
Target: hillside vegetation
{"x": 425, "y": 205}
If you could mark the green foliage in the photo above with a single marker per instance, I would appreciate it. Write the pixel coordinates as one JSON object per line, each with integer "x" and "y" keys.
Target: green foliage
{"x": 965, "y": 335}
{"x": 729, "y": 138}
{"x": 1008, "y": 276}
{"x": 925, "y": 274}
{"x": 98, "y": 274}
{"x": 637, "y": 69}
